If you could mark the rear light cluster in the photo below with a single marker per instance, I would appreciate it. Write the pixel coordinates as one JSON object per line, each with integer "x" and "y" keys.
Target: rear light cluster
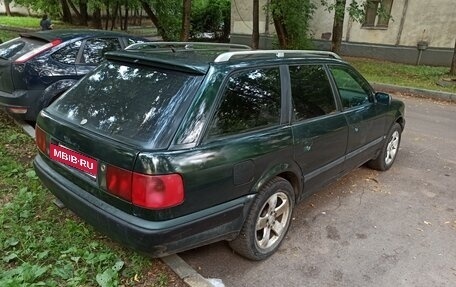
{"x": 41, "y": 140}
{"x": 27, "y": 56}
{"x": 144, "y": 190}
{"x": 148, "y": 191}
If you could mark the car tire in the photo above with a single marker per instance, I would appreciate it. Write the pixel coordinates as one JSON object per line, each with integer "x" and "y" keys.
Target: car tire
{"x": 388, "y": 154}
{"x": 267, "y": 222}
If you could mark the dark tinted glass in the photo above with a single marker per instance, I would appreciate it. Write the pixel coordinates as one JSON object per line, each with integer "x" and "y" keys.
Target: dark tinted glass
{"x": 353, "y": 90}
{"x": 311, "y": 92}
{"x": 15, "y": 48}
{"x": 94, "y": 49}
{"x": 128, "y": 102}
{"x": 67, "y": 54}
{"x": 133, "y": 41}
{"x": 251, "y": 100}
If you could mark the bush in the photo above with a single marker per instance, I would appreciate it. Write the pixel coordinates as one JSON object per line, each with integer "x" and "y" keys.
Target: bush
{"x": 211, "y": 17}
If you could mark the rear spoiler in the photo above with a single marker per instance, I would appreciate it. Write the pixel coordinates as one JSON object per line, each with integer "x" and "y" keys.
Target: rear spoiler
{"x": 155, "y": 61}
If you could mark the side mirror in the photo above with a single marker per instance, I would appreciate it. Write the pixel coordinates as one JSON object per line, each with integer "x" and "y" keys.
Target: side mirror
{"x": 383, "y": 98}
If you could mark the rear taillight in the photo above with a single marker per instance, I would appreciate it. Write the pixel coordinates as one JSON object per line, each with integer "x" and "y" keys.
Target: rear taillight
{"x": 27, "y": 56}
{"x": 118, "y": 182}
{"x": 148, "y": 191}
{"x": 157, "y": 191}
{"x": 41, "y": 139}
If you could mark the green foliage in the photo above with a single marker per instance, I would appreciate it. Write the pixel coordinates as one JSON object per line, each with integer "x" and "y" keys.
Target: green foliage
{"x": 6, "y": 35}
{"x": 295, "y": 16}
{"x": 51, "y": 7}
{"x": 210, "y": 16}
{"x": 20, "y": 21}
{"x": 42, "y": 245}
{"x": 169, "y": 12}
{"x": 356, "y": 9}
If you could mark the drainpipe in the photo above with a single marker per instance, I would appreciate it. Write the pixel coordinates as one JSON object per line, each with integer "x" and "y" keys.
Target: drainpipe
{"x": 266, "y": 26}
{"x": 421, "y": 46}
{"x": 401, "y": 25}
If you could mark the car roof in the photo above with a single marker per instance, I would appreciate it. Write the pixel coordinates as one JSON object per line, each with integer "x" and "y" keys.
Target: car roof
{"x": 193, "y": 57}
{"x": 68, "y": 34}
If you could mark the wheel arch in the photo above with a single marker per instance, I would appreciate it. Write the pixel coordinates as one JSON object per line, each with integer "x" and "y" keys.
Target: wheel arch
{"x": 288, "y": 171}
{"x": 56, "y": 89}
{"x": 401, "y": 121}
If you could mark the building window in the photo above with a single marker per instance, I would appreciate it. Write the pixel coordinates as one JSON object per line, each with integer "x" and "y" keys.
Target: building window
{"x": 378, "y": 13}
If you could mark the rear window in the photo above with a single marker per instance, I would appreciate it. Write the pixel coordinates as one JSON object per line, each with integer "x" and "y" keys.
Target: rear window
{"x": 135, "y": 104}
{"x": 17, "y": 47}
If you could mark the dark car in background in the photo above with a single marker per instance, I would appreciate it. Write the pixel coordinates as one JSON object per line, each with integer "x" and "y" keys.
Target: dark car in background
{"x": 37, "y": 67}
{"x": 170, "y": 150}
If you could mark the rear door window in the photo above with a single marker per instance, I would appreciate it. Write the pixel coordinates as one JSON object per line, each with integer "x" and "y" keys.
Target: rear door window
{"x": 17, "y": 47}
{"x": 67, "y": 54}
{"x": 94, "y": 49}
{"x": 311, "y": 92}
{"x": 136, "y": 104}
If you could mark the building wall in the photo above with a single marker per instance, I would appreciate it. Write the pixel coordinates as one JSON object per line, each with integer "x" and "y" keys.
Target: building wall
{"x": 433, "y": 21}
{"x": 241, "y": 18}
{"x": 412, "y": 21}
{"x": 15, "y": 9}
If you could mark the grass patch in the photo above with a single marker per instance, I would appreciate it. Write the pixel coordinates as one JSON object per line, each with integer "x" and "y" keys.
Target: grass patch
{"x": 21, "y": 21}
{"x": 7, "y": 35}
{"x": 42, "y": 245}
{"x": 401, "y": 74}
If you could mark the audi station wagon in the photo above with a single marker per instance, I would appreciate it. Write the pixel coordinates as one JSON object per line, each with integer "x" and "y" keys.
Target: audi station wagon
{"x": 37, "y": 67}
{"x": 169, "y": 149}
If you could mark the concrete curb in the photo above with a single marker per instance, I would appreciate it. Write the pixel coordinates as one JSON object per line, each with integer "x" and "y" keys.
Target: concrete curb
{"x": 26, "y": 127}
{"x": 438, "y": 95}
{"x": 185, "y": 271}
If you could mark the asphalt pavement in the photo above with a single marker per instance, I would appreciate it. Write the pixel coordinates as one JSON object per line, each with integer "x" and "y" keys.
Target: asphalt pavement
{"x": 394, "y": 228}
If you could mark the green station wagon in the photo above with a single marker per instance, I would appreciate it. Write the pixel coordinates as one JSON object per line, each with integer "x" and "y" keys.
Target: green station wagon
{"x": 172, "y": 148}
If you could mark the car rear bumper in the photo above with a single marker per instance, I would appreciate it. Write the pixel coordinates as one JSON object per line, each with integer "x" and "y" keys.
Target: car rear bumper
{"x": 20, "y": 102}
{"x": 156, "y": 238}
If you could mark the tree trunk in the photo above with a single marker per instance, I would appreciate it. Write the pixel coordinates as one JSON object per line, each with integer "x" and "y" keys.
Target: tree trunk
{"x": 108, "y": 15}
{"x": 120, "y": 17}
{"x": 453, "y": 63}
{"x": 226, "y": 26}
{"x": 338, "y": 26}
{"x": 187, "y": 9}
{"x": 279, "y": 25}
{"x": 76, "y": 11}
{"x": 125, "y": 25}
{"x": 114, "y": 15}
{"x": 83, "y": 10}
{"x": 154, "y": 20}
{"x": 97, "y": 18}
{"x": 256, "y": 25}
{"x": 7, "y": 7}
{"x": 66, "y": 13}
{"x": 140, "y": 16}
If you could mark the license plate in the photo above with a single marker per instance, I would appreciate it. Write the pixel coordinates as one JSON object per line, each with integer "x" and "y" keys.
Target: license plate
{"x": 74, "y": 159}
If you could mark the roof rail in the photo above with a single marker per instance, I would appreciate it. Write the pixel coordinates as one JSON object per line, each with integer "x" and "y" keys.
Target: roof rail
{"x": 225, "y": 57}
{"x": 186, "y": 45}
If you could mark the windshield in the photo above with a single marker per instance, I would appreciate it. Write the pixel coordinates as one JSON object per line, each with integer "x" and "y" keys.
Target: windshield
{"x": 134, "y": 103}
